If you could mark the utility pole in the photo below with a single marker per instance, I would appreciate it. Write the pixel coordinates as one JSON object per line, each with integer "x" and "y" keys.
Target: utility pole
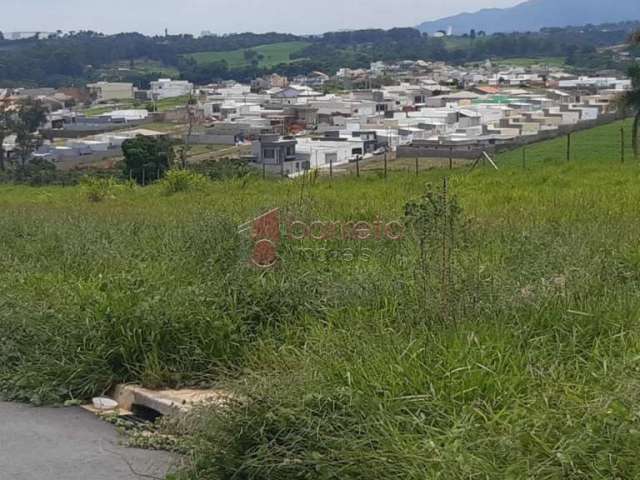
{"x": 186, "y": 148}
{"x": 281, "y": 166}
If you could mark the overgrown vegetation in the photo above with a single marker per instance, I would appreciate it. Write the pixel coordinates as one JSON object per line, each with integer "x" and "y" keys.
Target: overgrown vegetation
{"x": 352, "y": 359}
{"x": 147, "y": 159}
{"x": 177, "y": 181}
{"x": 99, "y": 189}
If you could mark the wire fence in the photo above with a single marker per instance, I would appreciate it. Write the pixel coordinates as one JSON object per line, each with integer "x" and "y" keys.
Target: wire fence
{"x": 608, "y": 143}
{"x": 611, "y": 142}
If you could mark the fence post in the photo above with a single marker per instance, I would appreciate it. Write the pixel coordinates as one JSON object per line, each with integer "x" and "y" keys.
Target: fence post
{"x": 330, "y": 167}
{"x": 358, "y": 166}
{"x": 385, "y": 164}
{"x": 524, "y": 157}
{"x": 282, "y": 168}
{"x": 450, "y": 158}
{"x": 264, "y": 171}
{"x": 445, "y": 273}
{"x": 143, "y": 176}
{"x": 622, "y": 146}
{"x": 417, "y": 167}
{"x": 569, "y": 147}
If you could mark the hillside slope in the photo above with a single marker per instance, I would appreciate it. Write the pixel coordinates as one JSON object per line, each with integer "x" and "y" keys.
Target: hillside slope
{"x": 358, "y": 360}
{"x": 533, "y": 15}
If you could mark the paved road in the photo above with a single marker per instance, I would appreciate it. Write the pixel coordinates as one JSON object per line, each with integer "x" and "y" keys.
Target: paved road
{"x": 68, "y": 444}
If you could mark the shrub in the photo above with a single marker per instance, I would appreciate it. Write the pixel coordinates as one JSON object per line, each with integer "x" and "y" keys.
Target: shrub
{"x": 182, "y": 181}
{"x": 223, "y": 169}
{"x": 146, "y": 158}
{"x": 98, "y": 189}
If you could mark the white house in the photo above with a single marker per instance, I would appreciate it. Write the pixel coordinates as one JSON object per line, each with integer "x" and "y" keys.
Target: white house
{"x": 167, "y": 88}
{"x": 126, "y": 115}
{"x": 322, "y": 154}
{"x": 105, "y": 91}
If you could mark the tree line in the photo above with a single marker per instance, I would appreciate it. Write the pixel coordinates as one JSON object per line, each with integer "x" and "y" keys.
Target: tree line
{"x": 78, "y": 57}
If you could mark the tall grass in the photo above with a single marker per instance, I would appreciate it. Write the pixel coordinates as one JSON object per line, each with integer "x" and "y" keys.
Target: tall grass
{"x": 345, "y": 364}
{"x": 535, "y": 374}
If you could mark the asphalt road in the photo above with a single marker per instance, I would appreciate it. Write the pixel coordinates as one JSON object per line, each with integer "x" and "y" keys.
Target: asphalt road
{"x": 69, "y": 444}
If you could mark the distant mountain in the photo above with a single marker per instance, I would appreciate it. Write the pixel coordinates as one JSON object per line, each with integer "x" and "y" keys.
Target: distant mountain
{"x": 533, "y": 15}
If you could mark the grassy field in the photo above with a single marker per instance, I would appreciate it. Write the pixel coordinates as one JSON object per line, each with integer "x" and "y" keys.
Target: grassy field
{"x": 452, "y": 43}
{"x": 528, "y": 62}
{"x": 167, "y": 104}
{"x": 140, "y": 67}
{"x": 500, "y": 339}
{"x": 168, "y": 127}
{"x": 274, "y": 54}
{"x": 123, "y": 104}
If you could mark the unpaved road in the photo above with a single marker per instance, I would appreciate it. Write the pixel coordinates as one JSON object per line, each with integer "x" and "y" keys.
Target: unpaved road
{"x": 68, "y": 444}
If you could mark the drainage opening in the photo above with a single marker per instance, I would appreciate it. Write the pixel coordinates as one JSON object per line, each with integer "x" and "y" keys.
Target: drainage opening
{"x": 145, "y": 414}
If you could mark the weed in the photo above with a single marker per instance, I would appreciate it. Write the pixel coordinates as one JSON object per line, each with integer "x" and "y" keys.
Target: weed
{"x": 98, "y": 189}
{"x": 176, "y": 181}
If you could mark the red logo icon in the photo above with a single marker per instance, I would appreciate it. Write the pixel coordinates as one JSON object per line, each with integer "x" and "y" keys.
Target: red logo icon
{"x": 265, "y": 232}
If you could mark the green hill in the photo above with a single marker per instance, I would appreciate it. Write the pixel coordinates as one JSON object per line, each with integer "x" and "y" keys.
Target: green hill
{"x": 532, "y": 15}
{"x": 499, "y": 339}
{"x": 272, "y": 55}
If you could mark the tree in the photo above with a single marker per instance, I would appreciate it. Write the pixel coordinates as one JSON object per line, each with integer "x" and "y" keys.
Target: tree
{"x": 27, "y": 142}
{"x": 249, "y": 55}
{"x": 31, "y": 116}
{"x": 6, "y": 129}
{"x": 253, "y": 58}
{"x": 147, "y": 158}
{"x": 631, "y": 99}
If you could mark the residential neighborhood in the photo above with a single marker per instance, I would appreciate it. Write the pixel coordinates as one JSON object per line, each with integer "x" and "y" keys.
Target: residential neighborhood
{"x": 429, "y": 109}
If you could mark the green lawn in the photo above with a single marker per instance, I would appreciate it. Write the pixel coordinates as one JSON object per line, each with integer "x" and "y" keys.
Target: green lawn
{"x": 274, "y": 54}
{"x": 500, "y": 339}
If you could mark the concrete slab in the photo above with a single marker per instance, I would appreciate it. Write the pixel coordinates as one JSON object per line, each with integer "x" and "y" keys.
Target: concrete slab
{"x": 168, "y": 402}
{"x": 69, "y": 444}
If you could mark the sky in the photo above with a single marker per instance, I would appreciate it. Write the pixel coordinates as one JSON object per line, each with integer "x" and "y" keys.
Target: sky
{"x": 227, "y": 16}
